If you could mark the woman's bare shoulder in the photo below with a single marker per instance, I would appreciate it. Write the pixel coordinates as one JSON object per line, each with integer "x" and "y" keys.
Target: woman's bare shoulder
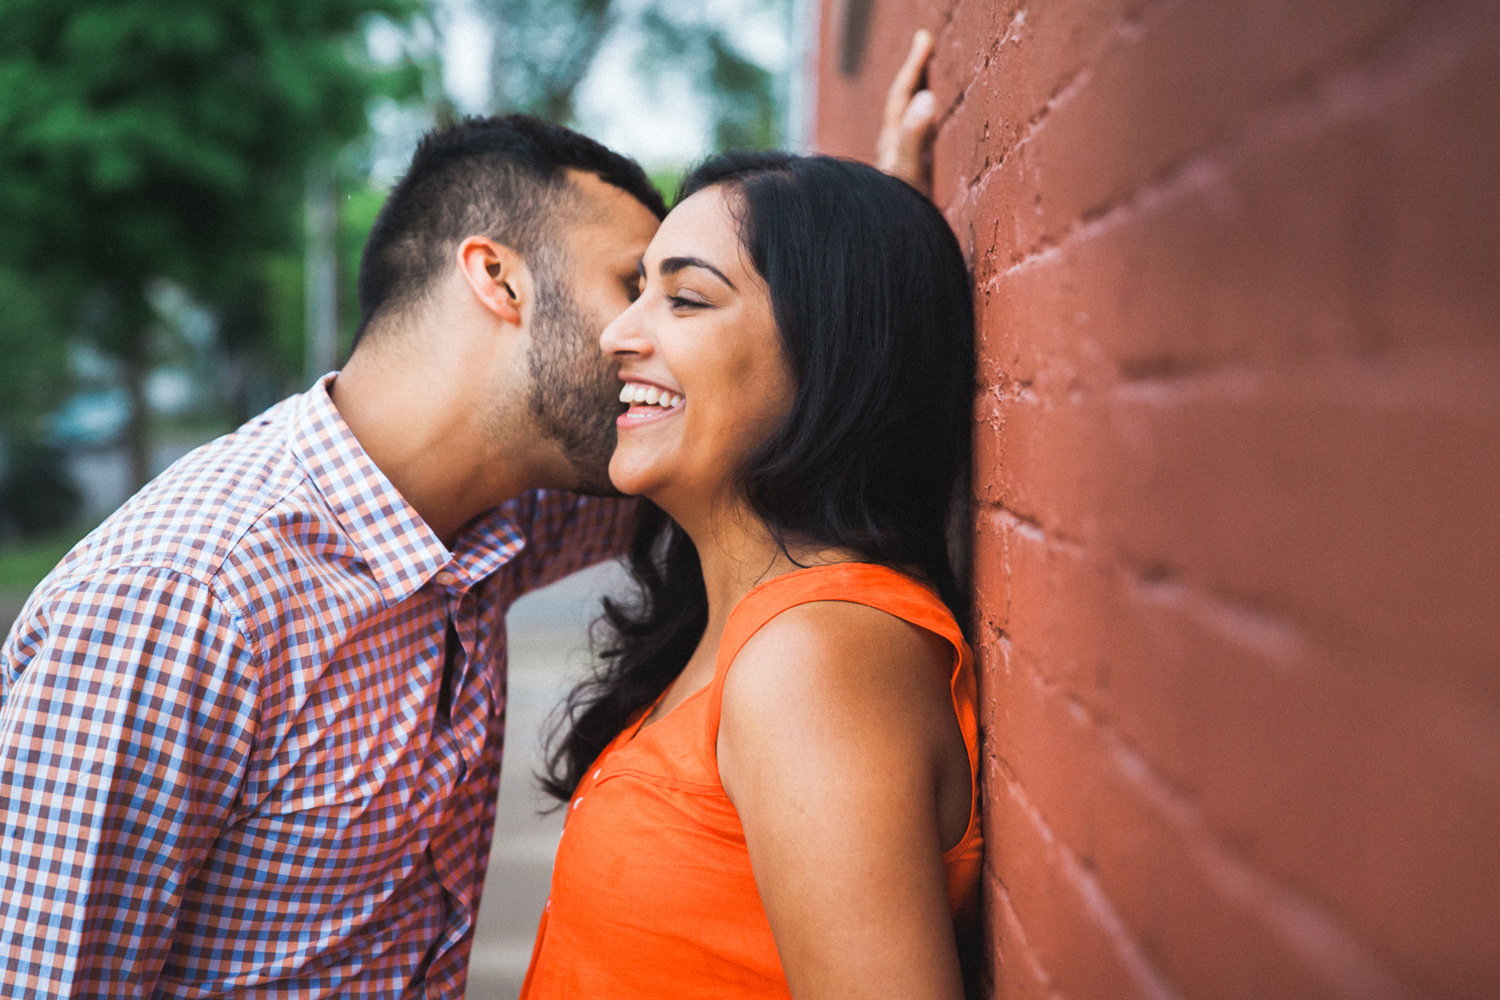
{"x": 839, "y": 669}
{"x": 829, "y": 639}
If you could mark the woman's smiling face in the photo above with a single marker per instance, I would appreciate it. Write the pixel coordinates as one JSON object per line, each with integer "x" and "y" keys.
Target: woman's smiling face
{"x": 700, "y": 361}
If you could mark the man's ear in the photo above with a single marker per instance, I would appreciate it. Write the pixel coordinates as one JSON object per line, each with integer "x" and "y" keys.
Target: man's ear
{"x": 497, "y": 275}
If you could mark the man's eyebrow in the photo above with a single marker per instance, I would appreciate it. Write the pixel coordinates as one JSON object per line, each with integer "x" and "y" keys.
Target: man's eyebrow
{"x": 674, "y": 264}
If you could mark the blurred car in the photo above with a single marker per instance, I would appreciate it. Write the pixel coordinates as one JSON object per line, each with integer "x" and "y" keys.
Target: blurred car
{"x": 93, "y": 418}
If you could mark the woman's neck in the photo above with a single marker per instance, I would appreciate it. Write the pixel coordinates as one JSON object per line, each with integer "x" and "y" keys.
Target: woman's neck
{"x": 738, "y": 552}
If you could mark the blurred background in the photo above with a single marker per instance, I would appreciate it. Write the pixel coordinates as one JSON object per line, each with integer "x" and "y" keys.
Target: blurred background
{"x": 1235, "y": 534}
{"x": 185, "y": 189}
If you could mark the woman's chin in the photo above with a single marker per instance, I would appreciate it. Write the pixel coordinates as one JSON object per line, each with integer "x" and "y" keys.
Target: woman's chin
{"x": 631, "y": 478}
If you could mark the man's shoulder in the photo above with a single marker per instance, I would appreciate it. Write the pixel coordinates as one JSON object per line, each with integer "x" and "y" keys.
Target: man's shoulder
{"x": 566, "y": 532}
{"x": 203, "y": 510}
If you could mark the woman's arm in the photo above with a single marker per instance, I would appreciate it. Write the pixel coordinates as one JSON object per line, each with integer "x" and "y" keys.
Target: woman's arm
{"x": 837, "y": 746}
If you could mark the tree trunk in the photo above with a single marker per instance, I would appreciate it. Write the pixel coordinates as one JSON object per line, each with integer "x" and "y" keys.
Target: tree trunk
{"x": 137, "y": 431}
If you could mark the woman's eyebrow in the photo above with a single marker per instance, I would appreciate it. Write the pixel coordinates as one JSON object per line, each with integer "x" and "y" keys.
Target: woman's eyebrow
{"x": 672, "y": 265}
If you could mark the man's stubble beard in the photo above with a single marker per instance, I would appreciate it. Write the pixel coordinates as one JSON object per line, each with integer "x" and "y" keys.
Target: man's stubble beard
{"x": 573, "y": 394}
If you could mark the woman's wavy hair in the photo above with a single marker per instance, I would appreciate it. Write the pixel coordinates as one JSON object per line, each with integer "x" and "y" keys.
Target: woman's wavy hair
{"x": 871, "y": 299}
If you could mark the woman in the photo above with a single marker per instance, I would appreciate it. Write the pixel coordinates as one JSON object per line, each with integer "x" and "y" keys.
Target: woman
{"x": 772, "y": 780}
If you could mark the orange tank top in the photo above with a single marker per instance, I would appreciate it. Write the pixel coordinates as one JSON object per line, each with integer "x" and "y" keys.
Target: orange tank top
{"x": 652, "y": 893}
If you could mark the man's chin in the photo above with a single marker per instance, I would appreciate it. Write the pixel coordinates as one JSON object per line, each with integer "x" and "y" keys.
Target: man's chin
{"x": 583, "y": 428}
{"x": 591, "y": 466}
{"x": 596, "y": 487}
{"x": 589, "y": 456}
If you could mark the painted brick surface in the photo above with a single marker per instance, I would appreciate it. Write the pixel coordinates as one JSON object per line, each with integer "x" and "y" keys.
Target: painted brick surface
{"x": 1237, "y": 481}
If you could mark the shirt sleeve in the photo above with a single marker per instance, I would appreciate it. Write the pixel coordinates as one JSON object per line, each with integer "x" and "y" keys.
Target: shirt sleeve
{"x": 126, "y": 718}
{"x": 566, "y": 532}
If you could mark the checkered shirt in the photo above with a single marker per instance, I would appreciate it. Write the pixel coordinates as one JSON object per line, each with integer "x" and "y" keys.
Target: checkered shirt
{"x": 250, "y": 728}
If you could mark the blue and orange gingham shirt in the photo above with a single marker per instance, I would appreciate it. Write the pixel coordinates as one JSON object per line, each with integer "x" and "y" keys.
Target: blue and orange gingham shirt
{"x": 251, "y": 727}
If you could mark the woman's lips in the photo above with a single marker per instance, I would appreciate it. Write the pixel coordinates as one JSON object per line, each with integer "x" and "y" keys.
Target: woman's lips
{"x": 639, "y": 415}
{"x": 648, "y": 403}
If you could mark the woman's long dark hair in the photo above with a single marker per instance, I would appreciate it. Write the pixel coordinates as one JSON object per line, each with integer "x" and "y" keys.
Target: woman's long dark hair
{"x": 871, "y": 300}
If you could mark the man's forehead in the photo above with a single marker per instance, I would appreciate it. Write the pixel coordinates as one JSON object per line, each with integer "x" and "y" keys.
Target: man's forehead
{"x": 601, "y": 203}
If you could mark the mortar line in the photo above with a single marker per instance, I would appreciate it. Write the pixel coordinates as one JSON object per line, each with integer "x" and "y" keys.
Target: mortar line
{"x": 1293, "y": 914}
{"x": 1324, "y": 100}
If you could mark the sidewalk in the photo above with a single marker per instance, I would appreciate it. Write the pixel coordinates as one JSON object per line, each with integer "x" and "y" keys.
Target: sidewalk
{"x": 547, "y": 653}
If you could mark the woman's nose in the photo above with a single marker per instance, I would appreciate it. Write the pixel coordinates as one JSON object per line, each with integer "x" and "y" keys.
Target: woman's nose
{"x": 626, "y": 333}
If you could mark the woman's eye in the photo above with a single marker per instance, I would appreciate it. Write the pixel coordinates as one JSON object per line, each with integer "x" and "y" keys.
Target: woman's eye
{"x": 678, "y": 302}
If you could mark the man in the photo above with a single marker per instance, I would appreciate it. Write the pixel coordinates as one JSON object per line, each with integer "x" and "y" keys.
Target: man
{"x": 250, "y": 729}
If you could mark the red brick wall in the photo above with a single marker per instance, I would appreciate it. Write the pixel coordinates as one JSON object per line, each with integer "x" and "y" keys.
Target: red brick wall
{"x": 1237, "y": 482}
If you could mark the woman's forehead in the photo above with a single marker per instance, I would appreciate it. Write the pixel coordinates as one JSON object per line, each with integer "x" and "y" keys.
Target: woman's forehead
{"x": 703, "y": 225}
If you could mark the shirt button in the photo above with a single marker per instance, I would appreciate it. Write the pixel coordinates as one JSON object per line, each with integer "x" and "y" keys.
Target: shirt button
{"x": 446, "y": 578}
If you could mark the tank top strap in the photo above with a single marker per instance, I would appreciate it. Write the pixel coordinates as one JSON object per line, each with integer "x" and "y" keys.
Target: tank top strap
{"x": 856, "y": 583}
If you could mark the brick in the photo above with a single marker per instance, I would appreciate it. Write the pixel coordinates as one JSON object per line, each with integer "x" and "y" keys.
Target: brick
{"x": 1355, "y": 787}
{"x": 1192, "y": 79}
{"x": 1000, "y": 68}
{"x": 1236, "y": 548}
{"x": 1355, "y": 778}
{"x": 1245, "y": 259}
{"x": 965, "y": 44}
{"x": 1247, "y": 737}
{"x": 1073, "y": 933}
{"x": 1179, "y": 892}
{"x": 1205, "y": 277}
{"x": 959, "y": 212}
{"x": 1201, "y": 475}
{"x": 991, "y": 569}
{"x": 1424, "y": 236}
{"x": 1018, "y": 972}
{"x": 984, "y": 116}
{"x": 1004, "y": 202}
{"x": 1291, "y": 489}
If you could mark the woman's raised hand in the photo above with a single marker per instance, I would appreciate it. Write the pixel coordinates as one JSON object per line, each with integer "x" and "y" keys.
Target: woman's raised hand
{"x": 904, "y": 148}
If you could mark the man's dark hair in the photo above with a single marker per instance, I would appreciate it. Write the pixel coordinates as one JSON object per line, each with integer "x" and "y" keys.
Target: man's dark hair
{"x": 502, "y": 177}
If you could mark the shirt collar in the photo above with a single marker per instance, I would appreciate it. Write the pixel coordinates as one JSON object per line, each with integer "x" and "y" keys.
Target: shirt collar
{"x": 402, "y": 552}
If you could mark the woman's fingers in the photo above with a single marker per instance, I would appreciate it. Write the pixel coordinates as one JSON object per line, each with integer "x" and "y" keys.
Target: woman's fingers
{"x": 906, "y": 133}
{"x": 917, "y": 120}
{"x": 908, "y": 77}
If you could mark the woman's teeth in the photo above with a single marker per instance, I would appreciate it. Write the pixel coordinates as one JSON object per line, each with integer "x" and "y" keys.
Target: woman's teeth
{"x": 638, "y": 392}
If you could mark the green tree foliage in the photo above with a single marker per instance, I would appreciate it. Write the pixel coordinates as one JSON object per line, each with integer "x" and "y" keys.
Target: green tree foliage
{"x": 741, "y": 92}
{"x": 544, "y": 48}
{"x": 33, "y": 350}
{"x": 146, "y": 139}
